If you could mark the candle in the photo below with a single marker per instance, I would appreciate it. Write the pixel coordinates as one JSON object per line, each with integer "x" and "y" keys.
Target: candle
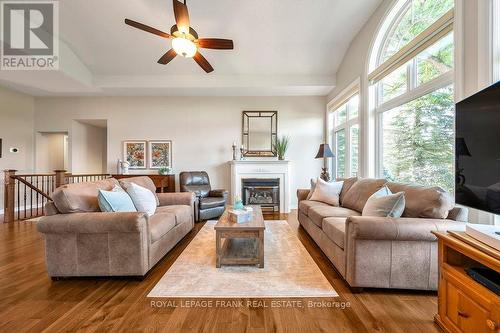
{"x": 242, "y": 147}
{"x": 234, "y": 143}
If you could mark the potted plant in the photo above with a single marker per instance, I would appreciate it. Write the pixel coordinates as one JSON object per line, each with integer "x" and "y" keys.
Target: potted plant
{"x": 165, "y": 170}
{"x": 280, "y": 146}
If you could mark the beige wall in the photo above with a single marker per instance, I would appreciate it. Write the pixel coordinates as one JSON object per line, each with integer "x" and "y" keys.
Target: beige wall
{"x": 50, "y": 152}
{"x": 16, "y": 130}
{"x": 202, "y": 129}
{"x": 88, "y": 148}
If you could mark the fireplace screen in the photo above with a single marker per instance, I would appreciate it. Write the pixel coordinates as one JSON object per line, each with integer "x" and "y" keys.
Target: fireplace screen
{"x": 263, "y": 192}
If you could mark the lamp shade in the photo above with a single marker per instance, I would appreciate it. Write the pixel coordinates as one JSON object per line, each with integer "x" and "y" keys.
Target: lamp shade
{"x": 324, "y": 151}
{"x": 461, "y": 147}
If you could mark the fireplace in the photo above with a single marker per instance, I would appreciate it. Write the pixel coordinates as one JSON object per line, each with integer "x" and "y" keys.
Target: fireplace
{"x": 264, "y": 192}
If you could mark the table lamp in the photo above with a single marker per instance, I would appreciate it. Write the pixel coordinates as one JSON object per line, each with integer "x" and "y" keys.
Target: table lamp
{"x": 324, "y": 152}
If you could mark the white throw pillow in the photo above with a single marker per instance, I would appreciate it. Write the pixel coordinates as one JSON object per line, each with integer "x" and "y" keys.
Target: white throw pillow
{"x": 326, "y": 192}
{"x": 385, "y": 204}
{"x": 144, "y": 200}
{"x": 311, "y": 191}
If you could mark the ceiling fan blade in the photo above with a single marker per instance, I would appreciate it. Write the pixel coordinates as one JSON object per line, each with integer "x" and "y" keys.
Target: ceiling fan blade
{"x": 146, "y": 28}
{"x": 167, "y": 57}
{"x": 215, "y": 43}
{"x": 203, "y": 62}
{"x": 181, "y": 16}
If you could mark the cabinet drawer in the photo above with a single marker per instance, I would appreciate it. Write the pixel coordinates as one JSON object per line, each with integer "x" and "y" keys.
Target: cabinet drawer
{"x": 466, "y": 314}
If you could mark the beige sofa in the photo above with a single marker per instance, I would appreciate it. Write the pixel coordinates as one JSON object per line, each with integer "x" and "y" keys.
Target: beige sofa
{"x": 382, "y": 252}
{"x": 80, "y": 240}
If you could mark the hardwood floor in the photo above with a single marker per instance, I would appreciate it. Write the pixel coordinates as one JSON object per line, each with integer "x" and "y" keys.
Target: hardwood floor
{"x": 30, "y": 301}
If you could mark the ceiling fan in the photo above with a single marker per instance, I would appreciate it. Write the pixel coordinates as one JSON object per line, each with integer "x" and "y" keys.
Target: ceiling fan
{"x": 185, "y": 41}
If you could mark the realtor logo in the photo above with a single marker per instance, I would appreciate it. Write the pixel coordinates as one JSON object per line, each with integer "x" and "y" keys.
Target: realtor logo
{"x": 28, "y": 31}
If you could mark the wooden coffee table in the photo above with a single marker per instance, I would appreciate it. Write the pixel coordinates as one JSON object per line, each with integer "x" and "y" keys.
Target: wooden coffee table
{"x": 240, "y": 243}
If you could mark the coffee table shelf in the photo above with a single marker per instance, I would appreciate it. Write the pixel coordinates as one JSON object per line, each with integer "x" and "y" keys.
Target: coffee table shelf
{"x": 240, "y": 243}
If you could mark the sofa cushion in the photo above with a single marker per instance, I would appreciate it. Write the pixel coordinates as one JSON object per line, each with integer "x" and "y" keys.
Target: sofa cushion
{"x": 143, "y": 199}
{"x": 384, "y": 203}
{"x": 160, "y": 224}
{"x": 334, "y": 228}
{"x": 116, "y": 200}
{"x": 182, "y": 213}
{"x": 327, "y": 192}
{"x": 81, "y": 197}
{"x": 143, "y": 181}
{"x": 348, "y": 182}
{"x": 305, "y": 205}
{"x": 211, "y": 202}
{"x": 424, "y": 202}
{"x": 318, "y": 213}
{"x": 360, "y": 191}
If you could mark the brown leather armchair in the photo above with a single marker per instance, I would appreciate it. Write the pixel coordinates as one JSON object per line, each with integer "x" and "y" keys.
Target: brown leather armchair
{"x": 209, "y": 203}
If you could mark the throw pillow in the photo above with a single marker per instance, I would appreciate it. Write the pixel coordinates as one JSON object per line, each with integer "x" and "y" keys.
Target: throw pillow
{"x": 116, "y": 200}
{"x": 385, "y": 204}
{"x": 328, "y": 193}
{"x": 144, "y": 200}
{"x": 313, "y": 186}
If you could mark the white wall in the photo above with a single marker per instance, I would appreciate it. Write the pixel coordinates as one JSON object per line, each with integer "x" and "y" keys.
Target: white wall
{"x": 202, "y": 129}
{"x": 16, "y": 130}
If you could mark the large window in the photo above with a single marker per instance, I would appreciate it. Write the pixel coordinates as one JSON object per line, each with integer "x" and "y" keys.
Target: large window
{"x": 413, "y": 84}
{"x": 344, "y": 124}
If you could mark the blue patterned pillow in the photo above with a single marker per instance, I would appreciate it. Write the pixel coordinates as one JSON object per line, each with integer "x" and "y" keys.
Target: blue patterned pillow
{"x": 116, "y": 200}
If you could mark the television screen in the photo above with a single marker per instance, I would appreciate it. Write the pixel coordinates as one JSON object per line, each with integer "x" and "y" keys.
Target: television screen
{"x": 477, "y": 150}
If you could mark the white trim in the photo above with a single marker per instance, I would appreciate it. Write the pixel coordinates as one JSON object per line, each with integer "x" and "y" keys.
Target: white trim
{"x": 459, "y": 41}
{"x": 435, "y": 32}
{"x": 496, "y": 40}
{"x": 439, "y": 82}
{"x": 484, "y": 43}
{"x": 340, "y": 97}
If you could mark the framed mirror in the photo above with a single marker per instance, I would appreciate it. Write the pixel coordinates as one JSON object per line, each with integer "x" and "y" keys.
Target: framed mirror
{"x": 260, "y": 129}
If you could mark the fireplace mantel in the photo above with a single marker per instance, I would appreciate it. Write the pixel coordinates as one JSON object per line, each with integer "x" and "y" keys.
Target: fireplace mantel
{"x": 262, "y": 169}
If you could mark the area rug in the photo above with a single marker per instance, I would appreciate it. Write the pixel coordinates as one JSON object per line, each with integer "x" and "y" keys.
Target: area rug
{"x": 289, "y": 270}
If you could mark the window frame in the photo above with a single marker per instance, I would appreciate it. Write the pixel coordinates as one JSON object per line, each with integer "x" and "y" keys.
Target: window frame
{"x": 413, "y": 89}
{"x": 333, "y": 128}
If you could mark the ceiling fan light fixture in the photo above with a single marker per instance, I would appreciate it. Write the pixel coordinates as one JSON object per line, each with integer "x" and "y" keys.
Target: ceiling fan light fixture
{"x": 184, "y": 47}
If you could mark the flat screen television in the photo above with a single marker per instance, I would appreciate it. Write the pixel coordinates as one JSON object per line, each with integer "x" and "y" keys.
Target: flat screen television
{"x": 477, "y": 150}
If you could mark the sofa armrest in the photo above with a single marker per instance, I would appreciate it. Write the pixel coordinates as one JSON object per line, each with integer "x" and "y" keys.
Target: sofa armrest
{"x": 397, "y": 229}
{"x": 302, "y": 194}
{"x": 177, "y": 198}
{"x": 92, "y": 223}
{"x": 218, "y": 193}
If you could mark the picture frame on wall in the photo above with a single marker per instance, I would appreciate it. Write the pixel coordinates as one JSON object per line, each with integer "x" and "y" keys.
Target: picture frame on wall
{"x": 160, "y": 154}
{"x": 134, "y": 152}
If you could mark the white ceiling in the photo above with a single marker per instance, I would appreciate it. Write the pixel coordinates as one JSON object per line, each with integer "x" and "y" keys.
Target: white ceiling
{"x": 282, "y": 47}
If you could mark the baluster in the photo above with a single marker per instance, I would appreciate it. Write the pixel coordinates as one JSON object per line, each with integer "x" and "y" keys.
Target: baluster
{"x": 18, "y": 201}
{"x": 24, "y": 199}
{"x": 31, "y": 197}
{"x": 37, "y": 197}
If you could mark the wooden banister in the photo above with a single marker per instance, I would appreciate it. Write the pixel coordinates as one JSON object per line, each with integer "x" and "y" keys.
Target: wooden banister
{"x": 9, "y": 195}
{"x": 26, "y": 194}
{"x": 34, "y": 188}
{"x": 60, "y": 177}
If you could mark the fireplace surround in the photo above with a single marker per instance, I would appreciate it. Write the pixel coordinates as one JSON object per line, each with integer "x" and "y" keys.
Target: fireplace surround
{"x": 262, "y": 169}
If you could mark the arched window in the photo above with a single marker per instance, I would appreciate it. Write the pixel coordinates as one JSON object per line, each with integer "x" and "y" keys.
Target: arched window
{"x": 412, "y": 80}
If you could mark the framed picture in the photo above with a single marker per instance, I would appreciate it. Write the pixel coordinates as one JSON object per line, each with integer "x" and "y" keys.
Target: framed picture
{"x": 134, "y": 152}
{"x": 160, "y": 154}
